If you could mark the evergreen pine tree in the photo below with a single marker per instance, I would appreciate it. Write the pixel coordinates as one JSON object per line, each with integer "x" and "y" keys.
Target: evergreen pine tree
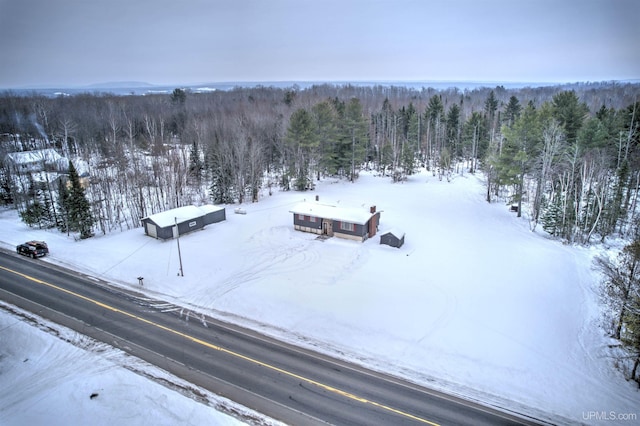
{"x": 570, "y": 113}
{"x": 512, "y": 111}
{"x": 80, "y": 218}
{"x": 196, "y": 165}
{"x": 615, "y": 209}
{"x": 48, "y": 219}
{"x": 552, "y": 219}
{"x": 520, "y": 149}
{"x": 434, "y": 117}
{"x": 33, "y": 214}
{"x": 303, "y": 143}
{"x": 39, "y": 210}
{"x": 325, "y": 118}
{"x": 6, "y": 192}
{"x": 220, "y": 189}
{"x": 490, "y": 108}
{"x": 386, "y": 158}
{"x": 63, "y": 207}
{"x": 552, "y": 216}
{"x": 453, "y": 131}
{"x": 411, "y": 138}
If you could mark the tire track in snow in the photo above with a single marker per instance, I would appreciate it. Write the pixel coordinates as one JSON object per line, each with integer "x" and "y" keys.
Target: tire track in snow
{"x": 272, "y": 254}
{"x": 450, "y": 305}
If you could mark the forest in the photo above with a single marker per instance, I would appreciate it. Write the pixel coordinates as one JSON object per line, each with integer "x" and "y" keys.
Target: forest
{"x": 565, "y": 158}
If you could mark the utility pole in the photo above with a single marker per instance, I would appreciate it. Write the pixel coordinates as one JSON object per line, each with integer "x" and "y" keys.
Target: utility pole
{"x": 179, "y": 254}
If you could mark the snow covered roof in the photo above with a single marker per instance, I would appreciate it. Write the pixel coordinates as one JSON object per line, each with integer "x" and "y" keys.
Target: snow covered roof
{"x": 44, "y": 176}
{"x": 395, "y": 232}
{"x": 180, "y": 214}
{"x": 210, "y": 208}
{"x": 343, "y": 214}
{"x": 28, "y": 157}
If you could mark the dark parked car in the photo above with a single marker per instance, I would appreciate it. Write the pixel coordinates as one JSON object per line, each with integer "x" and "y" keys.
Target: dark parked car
{"x": 33, "y": 249}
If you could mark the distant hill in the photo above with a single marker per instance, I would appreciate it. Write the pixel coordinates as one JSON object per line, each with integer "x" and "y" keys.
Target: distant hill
{"x": 121, "y": 88}
{"x": 119, "y": 85}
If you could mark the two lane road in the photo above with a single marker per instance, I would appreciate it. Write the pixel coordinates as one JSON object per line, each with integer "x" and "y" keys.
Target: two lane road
{"x": 282, "y": 381}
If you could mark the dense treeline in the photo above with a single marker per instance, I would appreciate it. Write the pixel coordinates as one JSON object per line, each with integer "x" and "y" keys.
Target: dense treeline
{"x": 621, "y": 295}
{"x": 568, "y": 158}
{"x": 578, "y": 171}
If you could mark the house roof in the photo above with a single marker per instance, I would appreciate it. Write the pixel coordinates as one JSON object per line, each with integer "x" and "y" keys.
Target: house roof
{"x": 180, "y": 214}
{"x": 325, "y": 211}
{"x": 48, "y": 155}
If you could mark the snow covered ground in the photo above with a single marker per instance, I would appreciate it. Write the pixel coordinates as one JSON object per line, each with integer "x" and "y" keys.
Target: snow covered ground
{"x": 473, "y": 303}
{"x": 53, "y": 376}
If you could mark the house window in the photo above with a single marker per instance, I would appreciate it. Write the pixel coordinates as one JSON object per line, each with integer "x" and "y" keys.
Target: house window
{"x": 300, "y": 217}
{"x": 312, "y": 219}
{"x": 346, "y": 226}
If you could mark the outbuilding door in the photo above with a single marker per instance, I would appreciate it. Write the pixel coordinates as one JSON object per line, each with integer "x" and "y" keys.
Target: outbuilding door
{"x": 151, "y": 230}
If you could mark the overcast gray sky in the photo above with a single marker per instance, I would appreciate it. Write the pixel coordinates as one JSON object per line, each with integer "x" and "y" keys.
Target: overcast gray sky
{"x": 80, "y": 42}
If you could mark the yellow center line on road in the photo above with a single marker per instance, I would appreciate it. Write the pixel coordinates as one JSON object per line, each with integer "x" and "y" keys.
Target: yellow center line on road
{"x": 227, "y": 351}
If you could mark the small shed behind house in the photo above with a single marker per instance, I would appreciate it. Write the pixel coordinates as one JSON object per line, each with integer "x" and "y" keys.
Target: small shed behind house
{"x": 393, "y": 238}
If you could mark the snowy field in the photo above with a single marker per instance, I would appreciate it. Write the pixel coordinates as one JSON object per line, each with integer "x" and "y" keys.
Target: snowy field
{"x": 473, "y": 303}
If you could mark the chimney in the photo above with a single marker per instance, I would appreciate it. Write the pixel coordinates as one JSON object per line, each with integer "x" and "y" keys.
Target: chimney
{"x": 372, "y": 209}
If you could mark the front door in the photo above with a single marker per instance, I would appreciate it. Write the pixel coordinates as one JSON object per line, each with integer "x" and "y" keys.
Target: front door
{"x": 327, "y": 227}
